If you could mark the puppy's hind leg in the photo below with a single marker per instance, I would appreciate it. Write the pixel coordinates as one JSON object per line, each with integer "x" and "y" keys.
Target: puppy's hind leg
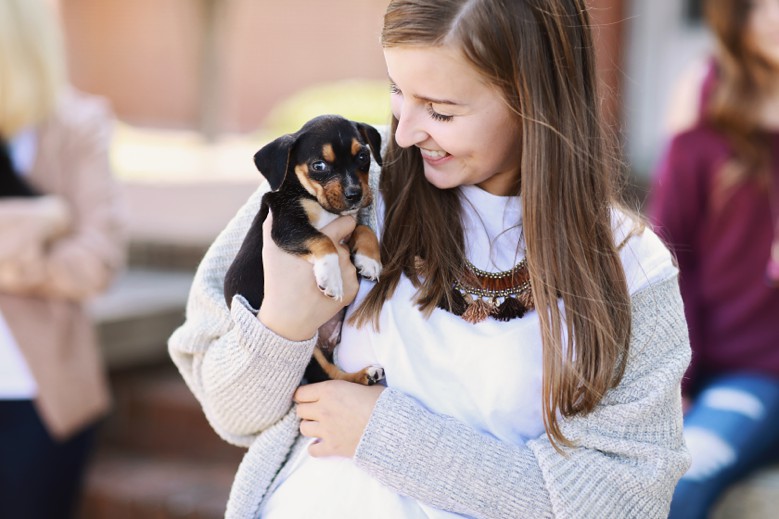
{"x": 246, "y": 275}
{"x": 366, "y": 376}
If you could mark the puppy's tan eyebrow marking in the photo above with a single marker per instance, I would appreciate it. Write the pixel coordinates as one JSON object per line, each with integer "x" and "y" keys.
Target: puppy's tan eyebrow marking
{"x": 356, "y": 147}
{"x": 327, "y": 153}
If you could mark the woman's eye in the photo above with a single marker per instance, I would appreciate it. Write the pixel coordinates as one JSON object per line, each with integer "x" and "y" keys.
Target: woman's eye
{"x": 394, "y": 89}
{"x": 319, "y": 166}
{"x": 438, "y": 117}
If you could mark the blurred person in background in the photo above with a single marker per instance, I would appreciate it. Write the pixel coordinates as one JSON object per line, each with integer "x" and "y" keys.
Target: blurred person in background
{"x": 715, "y": 200}
{"x": 57, "y": 250}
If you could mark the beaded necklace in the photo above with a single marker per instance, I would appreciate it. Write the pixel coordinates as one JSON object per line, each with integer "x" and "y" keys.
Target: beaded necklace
{"x": 506, "y": 295}
{"x": 477, "y": 295}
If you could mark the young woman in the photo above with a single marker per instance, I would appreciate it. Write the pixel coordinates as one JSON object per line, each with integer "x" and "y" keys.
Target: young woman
{"x": 57, "y": 250}
{"x": 716, "y": 202}
{"x": 531, "y": 330}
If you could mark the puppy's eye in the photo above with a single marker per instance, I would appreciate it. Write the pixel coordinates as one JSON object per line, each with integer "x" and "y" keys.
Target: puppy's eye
{"x": 320, "y": 166}
{"x": 363, "y": 157}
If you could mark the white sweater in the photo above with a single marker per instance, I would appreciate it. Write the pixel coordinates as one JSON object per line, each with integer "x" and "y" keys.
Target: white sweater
{"x": 629, "y": 451}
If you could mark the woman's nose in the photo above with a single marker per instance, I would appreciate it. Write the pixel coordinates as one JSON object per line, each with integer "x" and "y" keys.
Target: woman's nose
{"x": 409, "y": 130}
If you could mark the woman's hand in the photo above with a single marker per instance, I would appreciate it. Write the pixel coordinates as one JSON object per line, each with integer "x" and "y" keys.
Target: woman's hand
{"x": 26, "y": 222}
{"x": 293, "y": 306}
{"x": 27, "y": 227}
{"x": 336, "y": 412}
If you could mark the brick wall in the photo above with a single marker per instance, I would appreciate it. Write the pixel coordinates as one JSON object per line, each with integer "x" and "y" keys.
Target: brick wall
{"x": 220, "y": 65}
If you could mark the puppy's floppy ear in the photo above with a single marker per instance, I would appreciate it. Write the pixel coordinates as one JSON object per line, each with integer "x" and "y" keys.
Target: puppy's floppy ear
{"x": 273, "y": 159}
{"x": 373, "y": 138}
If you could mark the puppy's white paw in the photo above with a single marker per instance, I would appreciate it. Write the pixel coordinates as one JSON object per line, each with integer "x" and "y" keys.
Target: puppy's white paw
{"x": 374, "y": 374}
{"x": 328, "y": 276}
{"x": 367, "y": 266}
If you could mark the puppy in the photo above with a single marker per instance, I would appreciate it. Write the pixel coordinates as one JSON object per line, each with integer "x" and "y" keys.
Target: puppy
{"x": 315, "y": 174}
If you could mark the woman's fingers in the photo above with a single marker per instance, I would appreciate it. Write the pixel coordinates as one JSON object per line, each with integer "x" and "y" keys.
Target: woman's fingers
{"x": 307, "y": 393}
{"x": 307, "y": 412}
{"x": 293, "y": 306}
{"x": 335, "y": 412}
{"x": 309, "y": 428}
{"x": 340, "y": 229}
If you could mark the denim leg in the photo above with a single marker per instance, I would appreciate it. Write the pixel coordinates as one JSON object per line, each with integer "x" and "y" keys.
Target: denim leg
{"x": 40, "y": 477}
{"x": 731, "y": 429}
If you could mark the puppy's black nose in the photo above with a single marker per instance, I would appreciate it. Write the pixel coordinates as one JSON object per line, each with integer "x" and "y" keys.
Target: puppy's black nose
{"x": 353, "y": 193}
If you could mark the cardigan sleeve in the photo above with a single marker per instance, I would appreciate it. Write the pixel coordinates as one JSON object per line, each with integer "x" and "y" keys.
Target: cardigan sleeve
{"x": 242, "y": 373}
{"x": 78, "y": 254}
{"x": 628, "y": 453}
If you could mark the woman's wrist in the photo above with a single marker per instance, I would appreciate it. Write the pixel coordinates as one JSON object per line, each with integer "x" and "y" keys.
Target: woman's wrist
{"x": 293, "y": 329}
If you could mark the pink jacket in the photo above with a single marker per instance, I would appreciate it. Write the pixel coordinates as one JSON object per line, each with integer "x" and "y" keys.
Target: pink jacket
{"x": 58, "y": 251}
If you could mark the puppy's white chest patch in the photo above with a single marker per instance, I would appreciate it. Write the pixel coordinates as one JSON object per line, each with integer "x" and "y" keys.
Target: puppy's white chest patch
{"x": 317, "y": 215}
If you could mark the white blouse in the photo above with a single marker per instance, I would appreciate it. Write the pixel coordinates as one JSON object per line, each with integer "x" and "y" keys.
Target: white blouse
{"x": 16, "y": 380}
{"x": 487, "y": 374}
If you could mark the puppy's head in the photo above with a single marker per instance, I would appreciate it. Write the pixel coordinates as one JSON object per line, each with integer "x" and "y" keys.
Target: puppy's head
{"x": 329, "y": 157}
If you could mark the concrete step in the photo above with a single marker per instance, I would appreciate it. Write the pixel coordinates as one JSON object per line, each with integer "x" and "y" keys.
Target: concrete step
{"x": 757, "y": 497}
{"x": 187, "y": 214}
{"x": 166, "y": 255}
{"x": 132, "y": 487}
{"x": 137, "y": 314}
{"x": 157, "y": 457}
{"x": 155, "y": 414}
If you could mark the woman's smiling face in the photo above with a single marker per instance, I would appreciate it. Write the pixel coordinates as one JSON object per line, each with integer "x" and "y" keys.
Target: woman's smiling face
{"x": 464, "y": 131}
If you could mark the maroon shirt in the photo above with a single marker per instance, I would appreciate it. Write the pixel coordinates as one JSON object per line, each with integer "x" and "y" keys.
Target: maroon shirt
{"x": 732, "y": 311}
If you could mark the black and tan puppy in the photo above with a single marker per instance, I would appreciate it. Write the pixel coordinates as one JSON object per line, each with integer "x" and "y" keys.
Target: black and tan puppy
{"x": 315, "y": 174}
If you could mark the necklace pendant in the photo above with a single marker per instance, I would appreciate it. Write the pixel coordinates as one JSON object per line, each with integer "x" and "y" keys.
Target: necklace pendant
{"x": 477, "y": 311}
{"x": 477, "y": 295}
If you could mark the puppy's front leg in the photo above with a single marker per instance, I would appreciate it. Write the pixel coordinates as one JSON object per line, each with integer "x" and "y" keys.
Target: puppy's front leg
{"x": 365, "y": 252}
{"x": 327, "y": 271}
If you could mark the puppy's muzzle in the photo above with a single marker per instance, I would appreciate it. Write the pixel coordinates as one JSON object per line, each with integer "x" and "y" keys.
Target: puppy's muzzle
{"x": 353, "y": 195}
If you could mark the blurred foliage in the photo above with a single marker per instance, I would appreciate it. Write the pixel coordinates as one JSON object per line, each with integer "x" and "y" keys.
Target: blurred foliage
{"x": 361, "y": 100}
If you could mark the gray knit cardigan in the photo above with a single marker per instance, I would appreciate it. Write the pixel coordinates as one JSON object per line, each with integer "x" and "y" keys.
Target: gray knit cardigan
{"x": 628, "y": 455}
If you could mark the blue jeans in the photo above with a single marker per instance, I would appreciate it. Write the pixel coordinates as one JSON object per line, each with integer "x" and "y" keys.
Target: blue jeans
{"x": 40, "y": 477}
{"x": 732, "y": 429}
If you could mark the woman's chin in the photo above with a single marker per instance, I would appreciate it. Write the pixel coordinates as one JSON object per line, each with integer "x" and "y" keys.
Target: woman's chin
{"x": 441, "y": 182}
{"x": 440, "y": 179}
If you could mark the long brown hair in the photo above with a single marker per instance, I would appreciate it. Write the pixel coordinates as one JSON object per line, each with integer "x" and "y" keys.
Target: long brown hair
{"x": 539, "y": 54}
{"x": 743, "y": 77}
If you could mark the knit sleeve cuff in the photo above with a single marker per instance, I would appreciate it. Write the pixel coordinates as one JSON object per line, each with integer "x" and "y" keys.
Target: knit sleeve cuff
{"x": 250, "y": 374}
{"x": 447, "y": 464}
{"x": 258, "y": 338}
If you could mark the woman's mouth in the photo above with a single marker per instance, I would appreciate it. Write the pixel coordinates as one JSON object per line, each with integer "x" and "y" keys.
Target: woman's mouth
{"x": 433, "y": 156}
